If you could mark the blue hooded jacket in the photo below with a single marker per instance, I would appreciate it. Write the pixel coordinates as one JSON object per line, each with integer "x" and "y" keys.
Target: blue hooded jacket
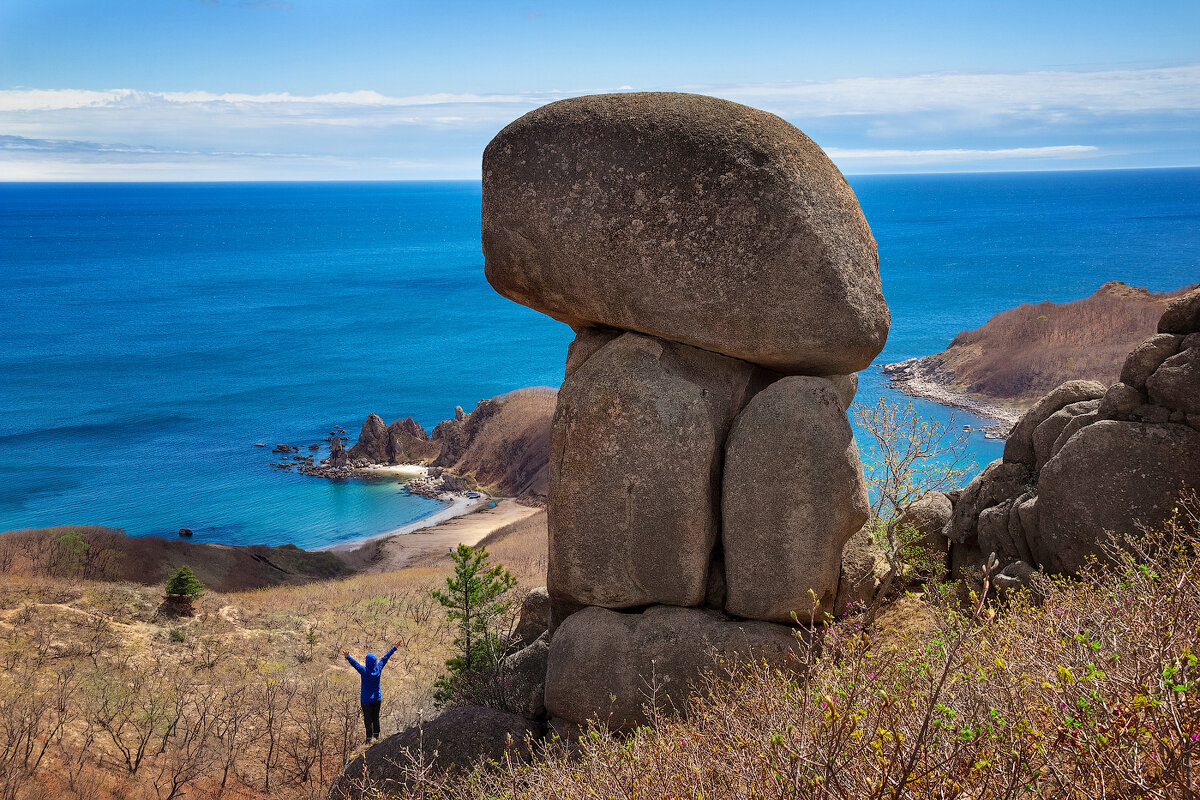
{"x": 369, "y": 673}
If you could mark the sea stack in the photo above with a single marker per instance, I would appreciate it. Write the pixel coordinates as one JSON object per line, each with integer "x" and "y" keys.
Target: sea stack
{"x": 724, "y": 287}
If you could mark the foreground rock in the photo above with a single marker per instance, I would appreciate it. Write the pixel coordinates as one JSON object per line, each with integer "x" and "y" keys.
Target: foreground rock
{"x": 655, "y": 657}
{"x": 1111, "y": 476}
{"x": 454, "y": 742}
{"x": 688, "y": 218}
{"x": 792, "y": 496}
{"x": 635, "y": 472}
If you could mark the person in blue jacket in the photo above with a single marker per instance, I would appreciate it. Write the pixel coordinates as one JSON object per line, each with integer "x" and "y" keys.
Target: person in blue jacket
{"x": 370, "y": 694}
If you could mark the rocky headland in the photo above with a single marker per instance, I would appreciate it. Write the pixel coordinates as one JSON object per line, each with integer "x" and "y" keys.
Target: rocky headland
{"x": 502, "y": 446}
{"x": 1003, "y": 368}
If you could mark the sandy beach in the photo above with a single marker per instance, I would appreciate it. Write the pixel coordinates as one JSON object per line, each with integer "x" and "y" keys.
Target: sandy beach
{"x": 404, "y": 546}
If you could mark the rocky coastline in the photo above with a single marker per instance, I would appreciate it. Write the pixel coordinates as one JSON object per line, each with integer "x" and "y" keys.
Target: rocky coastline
{"x": 926, "y": 378}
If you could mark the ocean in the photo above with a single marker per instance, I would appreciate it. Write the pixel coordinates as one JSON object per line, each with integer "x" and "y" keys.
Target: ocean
{"x": 154, "y": 332}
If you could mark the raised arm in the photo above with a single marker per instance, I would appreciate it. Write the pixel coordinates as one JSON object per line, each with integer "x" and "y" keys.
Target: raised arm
{"x": 357, "y": 666}
{"x": 386, "y": 656}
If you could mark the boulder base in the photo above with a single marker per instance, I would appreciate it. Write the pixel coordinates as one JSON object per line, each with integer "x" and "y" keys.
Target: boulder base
{"x": 635, "y": 470}
{"x": 793, "y": 494}
{"x": 606, "y": 666}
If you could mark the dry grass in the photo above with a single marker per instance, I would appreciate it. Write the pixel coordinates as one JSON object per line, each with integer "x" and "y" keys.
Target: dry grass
{"x": 1089, "y": 691}
{"x": 103, "y": 695}
{"x": 1024, "y": 352}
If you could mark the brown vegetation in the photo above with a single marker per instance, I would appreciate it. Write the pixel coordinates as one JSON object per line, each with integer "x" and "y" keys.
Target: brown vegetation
{"x": 91, "y": 552}
{"x": 1024, "y": 352}
{"x": 511, "y": 450}
{"x": 105, "y": 695}
{"x": 1081, "y": 689}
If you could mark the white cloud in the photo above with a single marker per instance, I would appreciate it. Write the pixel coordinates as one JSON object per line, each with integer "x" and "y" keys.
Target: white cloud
{"x": 958, "y": 120}
{"x": 959, "y": 154}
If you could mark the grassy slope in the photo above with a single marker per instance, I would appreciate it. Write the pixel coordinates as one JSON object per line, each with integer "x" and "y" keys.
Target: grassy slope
{"x": 1024, "y": 352}
{"x": 111, "y": 555}
{"x": 511, "y": 453}
{"x": 248, "y": 663}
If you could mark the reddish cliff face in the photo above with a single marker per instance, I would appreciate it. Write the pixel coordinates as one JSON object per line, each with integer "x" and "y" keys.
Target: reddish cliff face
{"x": 1024, "y": 352}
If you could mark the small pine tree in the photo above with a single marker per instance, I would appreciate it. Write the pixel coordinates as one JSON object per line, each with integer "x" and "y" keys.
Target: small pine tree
{"x": 474, "y": 599}
{"x": 184, "y": 586}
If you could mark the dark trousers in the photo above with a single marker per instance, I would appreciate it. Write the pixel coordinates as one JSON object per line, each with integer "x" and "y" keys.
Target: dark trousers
{"x": 371, "y": 718}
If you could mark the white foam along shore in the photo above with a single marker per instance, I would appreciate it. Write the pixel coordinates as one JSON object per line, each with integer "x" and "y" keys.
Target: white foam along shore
{"x": 456, "y": 506}
{"x": 917, "y": 377}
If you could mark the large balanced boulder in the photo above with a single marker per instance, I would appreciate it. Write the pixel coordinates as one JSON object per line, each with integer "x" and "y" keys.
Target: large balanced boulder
{"x": 689, "y": 218}
{"x": 635, "y": 472}
{"x": 454, "y": 742}
{"x": 1110, "y": 477}
{"x": 607, "y": 666}
{"x": 792, "y": 496}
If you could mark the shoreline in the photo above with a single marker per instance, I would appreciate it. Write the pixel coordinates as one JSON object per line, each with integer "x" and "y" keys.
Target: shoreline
{"x": 456, "y": 506}
{"x": 918, "y": 377}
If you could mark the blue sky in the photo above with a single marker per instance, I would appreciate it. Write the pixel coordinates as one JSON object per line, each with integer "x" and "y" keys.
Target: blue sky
{"x": 310, "y": 89}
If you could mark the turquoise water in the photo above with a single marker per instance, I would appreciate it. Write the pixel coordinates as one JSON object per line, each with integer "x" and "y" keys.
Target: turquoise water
{"x": 154, "y": 332}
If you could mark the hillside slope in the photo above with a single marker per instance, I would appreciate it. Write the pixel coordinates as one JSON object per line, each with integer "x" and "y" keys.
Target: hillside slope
{"x": 1024, "y": 352}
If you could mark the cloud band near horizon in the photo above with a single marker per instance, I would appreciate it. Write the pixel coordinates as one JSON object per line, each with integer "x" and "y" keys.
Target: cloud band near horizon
{"x": 956, "y": 122}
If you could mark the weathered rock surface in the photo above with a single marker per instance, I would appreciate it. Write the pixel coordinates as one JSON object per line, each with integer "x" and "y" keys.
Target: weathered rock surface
{"x": 688, "y": 218}
{"x": 792, "y": 496}
{"x": 635, "y": 470}
{"x": 535, "y": 615}
{"x": 1119, "y": 401}
{"x": 1019, "y": 447}
{"x": 456, "y": 435}
{"x": 597, "y": 655}
{"x": 523, "y": 679}
{"x": 402, "y": 442}
{"x": 862, "y": 569}
{"x": 1176, "y": 383}
{"x": 999, "y": 481}
{"x": 846, "y": 386}
{"x": 1046, "y": 434}
{"x": 454, "y": 742}
{"x": 585, "y": 344}
{"x": 1182, "y": 315}
{"x": 372, "y": 441}
{"x": 928, "y": 515}
{"x": 1111, "y": 476}
{"x": 1146, "y": 357}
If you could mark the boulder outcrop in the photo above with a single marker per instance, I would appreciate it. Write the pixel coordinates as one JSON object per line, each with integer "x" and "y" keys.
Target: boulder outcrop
{"x": 1111, "y": 477}
{"x": 719, "y": 275}
{"x": 687, "y": 218}
{"x": 793, "y": 494}
{"x": 402, "y": 442}
{"x": 1082, "y": 470}
{"x": 653, "y": 658}
{"x": 453, "y": 742}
